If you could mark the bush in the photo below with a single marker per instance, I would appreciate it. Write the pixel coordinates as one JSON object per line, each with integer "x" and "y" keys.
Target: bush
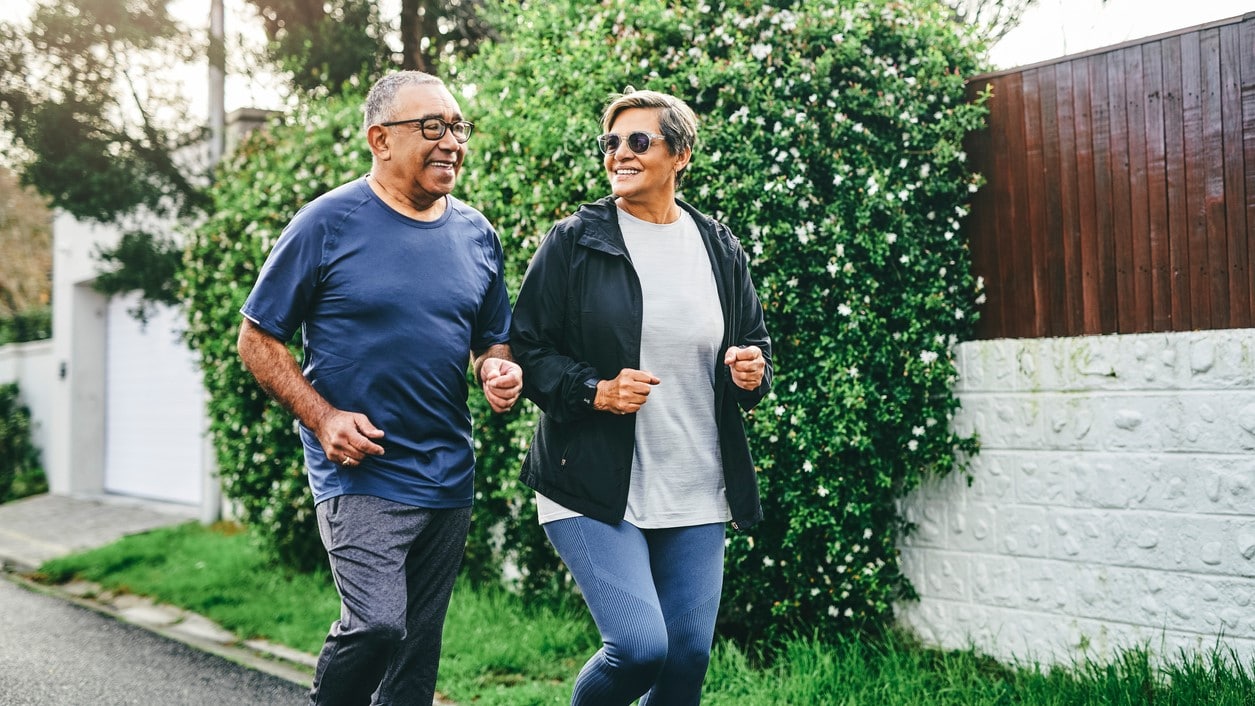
{"x": 257, "y": 191}
{"x": 831, "y": 144}
{"x": 30, "y": 325}
{"x": 20, "y": 472}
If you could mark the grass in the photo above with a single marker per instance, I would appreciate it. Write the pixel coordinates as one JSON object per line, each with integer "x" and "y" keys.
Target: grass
{"x": 501, "y": 650}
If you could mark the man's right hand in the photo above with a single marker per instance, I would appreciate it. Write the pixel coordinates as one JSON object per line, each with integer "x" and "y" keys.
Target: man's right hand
{"x": 347, "y": 437}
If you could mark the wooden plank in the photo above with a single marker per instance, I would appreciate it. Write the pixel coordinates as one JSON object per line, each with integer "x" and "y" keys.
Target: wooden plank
{"x": 1234, "y": 177}
{"x": 1104, "y": 237}
{"x": 1247, "y": 66}
{"x": 1035, "y": 181}
{"x": 981, "y": 226}
{"x": 1195, "y": 180}
{"x": 1157, "y": 189}
{"x": 1121, "y": 217}
{"x": 1069, "y": 216}
{"x": 1174, "y": 169}
{"x": 1086, "y": 200}
{"x": 1213, "y": 176}
{"x": 1139, "y": 225}
{"x": 1014, "y": 161}
{"x": 1055, "y": 262}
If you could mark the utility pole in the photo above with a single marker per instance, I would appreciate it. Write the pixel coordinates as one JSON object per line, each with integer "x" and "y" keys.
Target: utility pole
{"x": 217, "y": 82}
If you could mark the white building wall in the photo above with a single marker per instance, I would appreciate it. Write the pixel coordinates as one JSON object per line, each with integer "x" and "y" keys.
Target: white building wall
{"x": 31, "y": 366}
{"x": 1112, "y": 504}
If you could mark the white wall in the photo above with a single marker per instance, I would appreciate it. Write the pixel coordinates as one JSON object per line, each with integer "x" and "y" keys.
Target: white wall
{"x": 31, "y": 366}
{"x": 1112, "y": 503}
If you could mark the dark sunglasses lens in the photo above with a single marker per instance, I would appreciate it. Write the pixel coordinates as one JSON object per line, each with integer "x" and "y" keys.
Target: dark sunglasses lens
{"x": 638, "y": 142}
{"x": 608, "y": 143}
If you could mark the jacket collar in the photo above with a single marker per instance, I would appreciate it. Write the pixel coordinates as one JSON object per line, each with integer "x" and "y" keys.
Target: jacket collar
{"x": 601, "y": 225}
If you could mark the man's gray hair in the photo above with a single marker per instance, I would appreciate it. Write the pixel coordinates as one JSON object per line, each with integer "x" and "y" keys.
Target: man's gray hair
{"x": 381, "y": 101}
{"x": 676, "y": 120}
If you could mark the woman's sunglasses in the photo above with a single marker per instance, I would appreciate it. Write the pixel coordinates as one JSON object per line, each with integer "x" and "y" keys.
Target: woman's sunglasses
{"x": 638, "y": 142}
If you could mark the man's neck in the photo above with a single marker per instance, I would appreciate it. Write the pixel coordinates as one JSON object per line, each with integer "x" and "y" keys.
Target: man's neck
{"x": 418, "y": 209}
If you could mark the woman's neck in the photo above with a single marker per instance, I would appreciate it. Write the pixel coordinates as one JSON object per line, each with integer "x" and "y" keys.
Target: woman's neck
{"x": 661, "y": 211}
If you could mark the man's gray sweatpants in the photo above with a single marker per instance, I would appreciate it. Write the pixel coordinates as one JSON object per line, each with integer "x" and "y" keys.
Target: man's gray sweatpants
{"x": 394, "y": 566}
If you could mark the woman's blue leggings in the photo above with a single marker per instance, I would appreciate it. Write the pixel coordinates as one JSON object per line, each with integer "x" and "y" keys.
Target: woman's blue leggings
{"x": 654, "y": 595}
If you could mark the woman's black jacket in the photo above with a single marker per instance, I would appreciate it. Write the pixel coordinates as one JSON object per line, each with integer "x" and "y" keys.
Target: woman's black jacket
{"x": 578, "y": 318}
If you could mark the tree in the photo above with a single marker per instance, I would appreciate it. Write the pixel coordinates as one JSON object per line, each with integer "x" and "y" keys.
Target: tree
{"x": 327, "y": 45}
{"x": 88, "y": 133}
{"x": 830, "y": 142}
{"x": 98, "y": 132}
{"x": 993, "y": 18}
{"x": 26, "y": 241}
{"x": 324, "y": 45}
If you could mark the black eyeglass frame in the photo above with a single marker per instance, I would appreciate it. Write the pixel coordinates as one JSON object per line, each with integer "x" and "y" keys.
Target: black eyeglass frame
{"x": 423, "y": 124}
{"x": 604, "y": 141}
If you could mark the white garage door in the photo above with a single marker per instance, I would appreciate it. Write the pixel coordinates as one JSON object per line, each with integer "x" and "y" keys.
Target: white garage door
{"x": 154, "y": 408}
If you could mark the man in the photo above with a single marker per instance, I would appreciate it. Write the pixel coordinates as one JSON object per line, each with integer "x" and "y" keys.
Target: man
{"x": 394, "y": 285}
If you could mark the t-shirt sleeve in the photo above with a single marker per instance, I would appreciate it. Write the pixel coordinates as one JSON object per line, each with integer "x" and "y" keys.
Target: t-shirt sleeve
{"x": 493, "y": 323}
{"x": 285, "y": 286}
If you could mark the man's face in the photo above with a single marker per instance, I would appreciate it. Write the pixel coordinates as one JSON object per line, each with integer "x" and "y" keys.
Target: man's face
{"x": 425, "y": 169}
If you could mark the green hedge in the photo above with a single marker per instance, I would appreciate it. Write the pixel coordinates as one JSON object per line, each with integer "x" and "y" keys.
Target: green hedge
{"x": 29, "y": 325}
{"x": 20, "y": 470}
{"x": 831, "y": 143}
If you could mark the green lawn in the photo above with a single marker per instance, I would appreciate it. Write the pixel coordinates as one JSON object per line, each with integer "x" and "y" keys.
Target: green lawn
{"x": 503, "y": 650}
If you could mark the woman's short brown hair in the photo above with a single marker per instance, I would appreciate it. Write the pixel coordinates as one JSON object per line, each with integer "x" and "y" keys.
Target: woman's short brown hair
{"x": 676, "y": 120}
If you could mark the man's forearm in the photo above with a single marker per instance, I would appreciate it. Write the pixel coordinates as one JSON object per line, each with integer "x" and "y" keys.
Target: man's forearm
{"x": 498, "y": 350}
{"x": 278, "y": 373}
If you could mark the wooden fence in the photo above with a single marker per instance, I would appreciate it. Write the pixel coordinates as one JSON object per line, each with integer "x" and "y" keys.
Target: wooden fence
{"x": 1120, "y": 194}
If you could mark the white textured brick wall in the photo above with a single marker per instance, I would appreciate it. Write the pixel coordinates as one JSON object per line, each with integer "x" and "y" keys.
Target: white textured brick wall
{"x": 1112, "y": 503}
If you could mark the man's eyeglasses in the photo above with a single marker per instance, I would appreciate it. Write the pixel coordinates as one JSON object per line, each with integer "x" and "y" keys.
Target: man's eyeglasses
{"x": 434, "y": 128}
{"x": 638, "y": 142}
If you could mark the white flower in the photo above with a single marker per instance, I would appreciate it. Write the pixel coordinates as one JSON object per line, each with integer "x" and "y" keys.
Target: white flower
{"x": 833, "y": 612}
{"x": 844, "y": 309}
{"x": 917, "y": 431}
{"x": 760, "y": 51}
{"x": 867, "y": 533}
{"x": 929, "y": 357}
{"x": 808, "y": 467}
{"x": 912, "y": 444}
{"x": 891, "y": 237}
{"x": 822, "y": 492}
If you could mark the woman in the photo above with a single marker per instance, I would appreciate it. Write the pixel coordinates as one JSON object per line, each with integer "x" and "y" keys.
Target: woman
{"x": 639, "y": 333}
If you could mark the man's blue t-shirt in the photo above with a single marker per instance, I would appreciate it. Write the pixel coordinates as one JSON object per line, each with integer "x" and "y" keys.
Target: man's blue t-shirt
{"x": 389, "y": 309}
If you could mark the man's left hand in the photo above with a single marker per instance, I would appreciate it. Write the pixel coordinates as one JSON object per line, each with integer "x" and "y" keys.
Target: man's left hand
{"x": 502, "y": 381}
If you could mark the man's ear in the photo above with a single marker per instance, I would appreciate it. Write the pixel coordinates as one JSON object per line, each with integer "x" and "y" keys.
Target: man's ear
{"x": 378, "y": 137}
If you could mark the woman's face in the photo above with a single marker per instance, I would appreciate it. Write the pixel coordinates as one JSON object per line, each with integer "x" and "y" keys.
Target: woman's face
{"x": 646, "y": 176}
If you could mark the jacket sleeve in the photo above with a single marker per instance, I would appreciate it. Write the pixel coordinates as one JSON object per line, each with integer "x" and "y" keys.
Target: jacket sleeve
{"x": 752, "y": 328}
{"x": 538, "y": 333}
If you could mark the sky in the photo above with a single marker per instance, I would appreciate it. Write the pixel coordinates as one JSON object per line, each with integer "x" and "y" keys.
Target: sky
{"x": 1055, "y": 28}
{"x": 1051, "y": 29}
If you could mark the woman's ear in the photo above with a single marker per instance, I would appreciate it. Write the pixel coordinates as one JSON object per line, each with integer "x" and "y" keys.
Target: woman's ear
{"x": 682, "y": 159}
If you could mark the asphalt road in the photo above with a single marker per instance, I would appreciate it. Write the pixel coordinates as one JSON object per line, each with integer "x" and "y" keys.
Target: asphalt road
{"x": 54, "y": 653}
